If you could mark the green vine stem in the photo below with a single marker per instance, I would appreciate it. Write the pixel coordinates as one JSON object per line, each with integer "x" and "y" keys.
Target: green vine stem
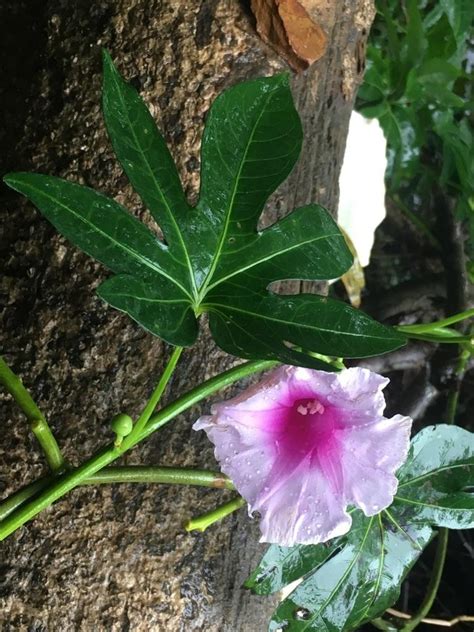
{"x": 201, "y": 523}
{"x": 38, "y": 424}
{"x": 126, "y": 474}
{"x": 149, "y": 409}
{"x": 446, "y": 322}
{"x": 163, "y": 475}
{"x": 69, "y": 480}
{"x": 437, "y": 336}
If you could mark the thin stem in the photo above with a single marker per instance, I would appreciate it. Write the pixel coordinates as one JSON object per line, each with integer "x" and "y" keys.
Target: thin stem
{"x": 163, "y": 475}
{"x": 454, "y": 393}
{"x": 204, "y": 390}
{"x": 381, "y": 624}
{"x": 445, "y": 322}
{"x": 149, "y": 409}
{"x": 14, "y": 501}
{"x": 201, "y": 523}
{"x": 129, "y": 474}
{"x": 441, "y": 338}
{"x": 48, "y": 443}
{"x": 62, "y": 485}
{"x": 38, "y": 423}
{"x": 434, "y": 583}
{"x": 443, "y": 623}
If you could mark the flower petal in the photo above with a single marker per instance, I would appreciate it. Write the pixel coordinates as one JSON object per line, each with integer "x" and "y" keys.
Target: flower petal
{"x": 302, "y": 445}
{"x": 371, "y": 456}
{"x": 243, "y": 458}
{"x": 358, "y": 392}
{"x": 302, "y": 510}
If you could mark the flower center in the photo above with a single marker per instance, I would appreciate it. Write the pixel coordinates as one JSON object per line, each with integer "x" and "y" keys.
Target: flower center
{"x": 312, "y": 407}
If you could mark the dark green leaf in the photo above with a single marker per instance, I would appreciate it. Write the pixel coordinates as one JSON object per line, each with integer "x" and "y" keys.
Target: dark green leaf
{"x": 214, "y": 258}
{"x": 460, "y": 14}
{"x": 439, "y": 468}
{"x": 98, "y": 225}
{"x": 416, "y": 38}
{"x": 146, "y": 160}
{"x": 158, "y": 308}
{"x": 254, "y": 326}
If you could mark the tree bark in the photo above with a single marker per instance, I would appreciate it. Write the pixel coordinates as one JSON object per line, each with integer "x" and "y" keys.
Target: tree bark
{"x": 117, "y": 558}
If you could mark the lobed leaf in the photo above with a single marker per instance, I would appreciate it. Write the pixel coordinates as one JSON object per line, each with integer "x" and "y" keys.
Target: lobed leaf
{"x": 214, "y": 258}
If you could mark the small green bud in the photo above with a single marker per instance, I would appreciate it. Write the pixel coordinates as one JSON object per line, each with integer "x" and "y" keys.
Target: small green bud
{"x": 122, "y": 425}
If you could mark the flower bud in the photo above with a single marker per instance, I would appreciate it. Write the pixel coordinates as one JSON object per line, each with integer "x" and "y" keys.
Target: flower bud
{"x": 122, "y": 425}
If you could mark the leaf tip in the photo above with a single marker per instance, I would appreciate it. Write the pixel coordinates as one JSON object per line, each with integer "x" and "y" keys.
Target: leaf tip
{"x": 12, "y": 179}
{"x": 106, "y": 58}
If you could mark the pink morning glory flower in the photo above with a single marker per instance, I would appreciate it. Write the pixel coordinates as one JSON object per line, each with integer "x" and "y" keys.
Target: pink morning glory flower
{"x": 303, "y": 445}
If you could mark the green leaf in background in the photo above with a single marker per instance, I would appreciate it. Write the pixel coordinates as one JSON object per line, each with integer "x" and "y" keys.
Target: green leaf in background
{"x": 356, "y": 584}
{"x": 213, "y": 258}
{"x": 355, "y": 578}
{"x": 418, "y": 86}
{"x": 439, "y": 468}
{"x": 282, "y": 565}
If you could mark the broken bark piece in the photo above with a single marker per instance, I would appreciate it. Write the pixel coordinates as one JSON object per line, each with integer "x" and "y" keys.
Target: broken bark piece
{"x": 287, "y": 27}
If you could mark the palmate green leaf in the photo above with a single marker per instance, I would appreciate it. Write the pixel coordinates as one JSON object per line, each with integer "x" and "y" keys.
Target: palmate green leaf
{"x": 355, "y": 578}
{"x": 106, "y": 231}
{"x": 213, "y": 257}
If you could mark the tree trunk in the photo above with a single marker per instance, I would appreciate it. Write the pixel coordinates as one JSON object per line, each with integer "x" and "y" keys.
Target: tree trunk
{"x": 117, "y": 558}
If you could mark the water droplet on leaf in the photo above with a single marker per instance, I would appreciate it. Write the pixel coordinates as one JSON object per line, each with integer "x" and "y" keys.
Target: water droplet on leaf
{"x": 302, "y": 614}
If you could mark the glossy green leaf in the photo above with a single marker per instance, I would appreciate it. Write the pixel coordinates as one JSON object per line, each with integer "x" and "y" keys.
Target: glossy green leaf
{"x": 282, "y": 565}
{"x": 98, "y": 225}
{"x": 213, "y": 257}
{"x": 146, "y": 160}
{"x": 435, "y": 477}
{"x": 356, "y": 584}
{"x": 156, "y": 307}
{"x": 254, "y": 326}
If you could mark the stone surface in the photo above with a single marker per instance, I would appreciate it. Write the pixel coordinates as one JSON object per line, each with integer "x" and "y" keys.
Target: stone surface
{"x": 117, "y": 558}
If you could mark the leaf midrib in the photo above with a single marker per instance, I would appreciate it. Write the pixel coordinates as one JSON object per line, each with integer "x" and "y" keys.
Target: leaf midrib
{"x": 271, "y": 256}
{"x": 286, "y": 322}
{"x": 220, "y": 246}
{"x": 409, "y": 501}
{"x": 434, "y": 473}
{"x": 343, "y": 578}
{"x": 163, "y": 198}
{"x": 140, "y": 258}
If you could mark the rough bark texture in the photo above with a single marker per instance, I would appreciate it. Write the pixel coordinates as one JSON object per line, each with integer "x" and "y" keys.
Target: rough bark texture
{"x": 117, "y": 558}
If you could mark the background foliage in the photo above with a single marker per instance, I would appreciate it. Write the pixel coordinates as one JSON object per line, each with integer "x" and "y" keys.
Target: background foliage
{"x": 418, "y": 84}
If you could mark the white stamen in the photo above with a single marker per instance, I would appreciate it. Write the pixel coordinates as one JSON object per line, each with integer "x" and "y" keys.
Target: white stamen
{"x": 312, "y": 408}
